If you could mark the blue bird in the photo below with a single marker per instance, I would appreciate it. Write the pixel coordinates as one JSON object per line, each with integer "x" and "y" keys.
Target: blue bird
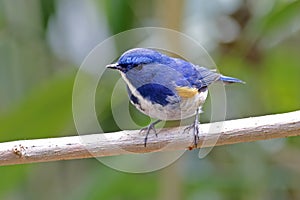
{"x": 166, "y": 88}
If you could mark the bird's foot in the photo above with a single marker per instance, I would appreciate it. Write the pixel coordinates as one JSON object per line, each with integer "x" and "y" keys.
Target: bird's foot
{"x": 196, "y": 129}
{"x": 148, "y": 129}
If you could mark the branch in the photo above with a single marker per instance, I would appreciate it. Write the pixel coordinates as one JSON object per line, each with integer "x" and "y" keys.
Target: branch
{"x": 129, "y": 142}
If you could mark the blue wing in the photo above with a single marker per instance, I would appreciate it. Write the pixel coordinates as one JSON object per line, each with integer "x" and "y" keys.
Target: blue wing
{"x": 200, "y": 77}
{"x": 197, "y": 77}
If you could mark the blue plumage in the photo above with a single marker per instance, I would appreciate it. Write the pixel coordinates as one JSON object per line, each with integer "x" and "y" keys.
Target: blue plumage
{"x": 156, "y": 93}
{"x": 166, "y": 88}
{"x": 227, "y": 79}
{"x": 188, "y": 74}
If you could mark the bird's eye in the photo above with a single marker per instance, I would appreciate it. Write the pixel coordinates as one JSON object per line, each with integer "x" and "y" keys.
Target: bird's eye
{"x": 139, "y": 67}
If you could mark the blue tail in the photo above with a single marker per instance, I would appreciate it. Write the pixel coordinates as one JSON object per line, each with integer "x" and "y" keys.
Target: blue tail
{"x": 227, "y": 79}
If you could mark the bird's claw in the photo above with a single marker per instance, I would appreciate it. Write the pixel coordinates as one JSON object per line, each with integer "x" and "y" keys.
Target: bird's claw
{"x": 148, "y": 129}
{"x": 195, "y": 127}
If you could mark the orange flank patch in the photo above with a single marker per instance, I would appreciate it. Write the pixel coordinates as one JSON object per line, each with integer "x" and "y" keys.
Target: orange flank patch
{"x": 186, "y": 92}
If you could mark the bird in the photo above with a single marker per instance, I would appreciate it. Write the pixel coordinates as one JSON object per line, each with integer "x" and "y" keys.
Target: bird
{"x": 166, "y": 88}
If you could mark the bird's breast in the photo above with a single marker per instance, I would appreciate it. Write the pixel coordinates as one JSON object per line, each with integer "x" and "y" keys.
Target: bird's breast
{"x": 180, "y": 109}
{"x": 162, "y": 99}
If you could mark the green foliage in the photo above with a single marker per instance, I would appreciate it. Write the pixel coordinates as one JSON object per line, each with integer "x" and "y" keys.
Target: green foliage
{"x": 281, "y": 16}
{"x": 44, "y": 113}
{"x": 47, "y": 10}
{"x": 120, "y": 15}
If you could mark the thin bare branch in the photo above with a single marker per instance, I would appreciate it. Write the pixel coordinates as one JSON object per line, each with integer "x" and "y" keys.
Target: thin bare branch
{"x": 129, "y": 142}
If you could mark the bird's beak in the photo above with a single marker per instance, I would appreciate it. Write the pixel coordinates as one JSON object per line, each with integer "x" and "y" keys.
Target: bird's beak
{"x": 113, "y": 66}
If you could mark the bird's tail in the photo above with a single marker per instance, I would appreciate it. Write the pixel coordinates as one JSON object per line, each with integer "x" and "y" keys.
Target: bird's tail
{"x": 227, "y": 79}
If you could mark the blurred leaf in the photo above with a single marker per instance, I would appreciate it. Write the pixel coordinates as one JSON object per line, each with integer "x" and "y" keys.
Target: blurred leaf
{"x": 2, "y": 19}
{"x": 47, "y": 9}
{"x": 119, "y": 14}
{"x": 11, "y": 176}
{"x": 280, "y": 16}
{"x": 280, "y": 80}
{"x": 43, "y": 113}
{"x": 107, "y": 183}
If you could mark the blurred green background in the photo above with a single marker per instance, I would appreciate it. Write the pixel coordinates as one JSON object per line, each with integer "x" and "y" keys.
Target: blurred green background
{"x": 43, "y": 42}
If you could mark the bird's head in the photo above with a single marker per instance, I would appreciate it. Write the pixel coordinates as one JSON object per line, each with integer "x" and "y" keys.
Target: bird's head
{"x": 136, "y": 58}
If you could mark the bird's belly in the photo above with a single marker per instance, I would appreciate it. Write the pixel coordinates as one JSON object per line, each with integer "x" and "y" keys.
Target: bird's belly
{"x": 185, "y": 108}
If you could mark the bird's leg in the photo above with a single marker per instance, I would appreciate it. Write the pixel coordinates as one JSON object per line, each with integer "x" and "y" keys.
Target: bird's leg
{"x": 148, "y": 129}
{"x": 195, "y": 127}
